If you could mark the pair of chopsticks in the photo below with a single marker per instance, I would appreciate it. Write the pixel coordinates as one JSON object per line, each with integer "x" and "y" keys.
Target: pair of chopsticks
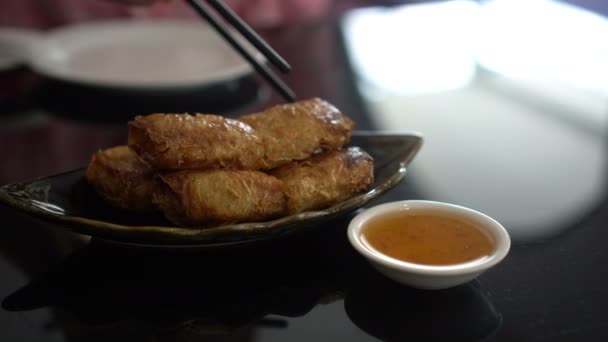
{"x": 247, "y": 32}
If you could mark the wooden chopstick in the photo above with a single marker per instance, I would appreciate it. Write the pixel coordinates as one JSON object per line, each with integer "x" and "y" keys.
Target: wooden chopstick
{"x": 228, "y": 14}
{"x": 261, "y": 68}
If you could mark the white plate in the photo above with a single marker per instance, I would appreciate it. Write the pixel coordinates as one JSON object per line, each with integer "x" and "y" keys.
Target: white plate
{"x": 137, "y": 54}
{"x": 16, "y": 45}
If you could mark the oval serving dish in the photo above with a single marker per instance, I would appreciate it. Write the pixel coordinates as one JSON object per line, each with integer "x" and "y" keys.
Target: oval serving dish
{"x": 68, "y": 200}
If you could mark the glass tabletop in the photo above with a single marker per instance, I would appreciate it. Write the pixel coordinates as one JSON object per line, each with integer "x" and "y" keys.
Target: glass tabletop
{"x": 526, "y": 149}
{"x": 302, "y": 286}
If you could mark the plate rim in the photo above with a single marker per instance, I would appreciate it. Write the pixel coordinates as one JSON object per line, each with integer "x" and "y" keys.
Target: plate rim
{"x": 174, "y": 236}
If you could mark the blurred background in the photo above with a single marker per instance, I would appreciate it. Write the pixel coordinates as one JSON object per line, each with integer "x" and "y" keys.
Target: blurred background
{"x": 72, "y": 73}
{"x": 511, "y": 96}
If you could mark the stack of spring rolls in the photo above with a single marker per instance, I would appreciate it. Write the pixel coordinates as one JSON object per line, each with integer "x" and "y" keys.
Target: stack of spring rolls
{"x": 205, "y": 170}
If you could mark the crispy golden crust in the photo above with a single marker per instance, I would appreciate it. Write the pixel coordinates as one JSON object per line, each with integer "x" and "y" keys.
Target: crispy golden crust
{"x": 220, "y": 196}
{"x": 121, "y": 178}
{"x": 326, "y": 179}
{"x": 201, "y": 141}
{"x": 295, "y": 131}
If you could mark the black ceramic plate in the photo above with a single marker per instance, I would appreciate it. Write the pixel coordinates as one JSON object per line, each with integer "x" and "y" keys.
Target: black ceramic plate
{"x": 68, "y": 199}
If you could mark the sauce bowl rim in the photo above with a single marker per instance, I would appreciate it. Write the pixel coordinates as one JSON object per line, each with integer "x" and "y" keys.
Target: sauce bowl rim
{"x": 499, "y": 233}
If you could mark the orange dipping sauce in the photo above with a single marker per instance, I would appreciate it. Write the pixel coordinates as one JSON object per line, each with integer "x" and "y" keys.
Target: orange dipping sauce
{"x": 427, "y": 239}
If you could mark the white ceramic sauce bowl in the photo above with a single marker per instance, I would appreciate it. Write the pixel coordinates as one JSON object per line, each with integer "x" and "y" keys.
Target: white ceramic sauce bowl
{"x": 429, "y": 276}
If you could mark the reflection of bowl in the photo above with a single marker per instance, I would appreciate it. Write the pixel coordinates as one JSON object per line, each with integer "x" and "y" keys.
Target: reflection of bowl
{"x": 430, "y": 276}
{"x": 390, "y": 312}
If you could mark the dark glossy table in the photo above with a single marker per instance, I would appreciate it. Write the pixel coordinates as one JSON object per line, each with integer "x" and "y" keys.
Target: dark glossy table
{"x": 311, "y": 285}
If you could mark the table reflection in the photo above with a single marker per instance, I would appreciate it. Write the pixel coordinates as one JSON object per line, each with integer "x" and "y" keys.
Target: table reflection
{"x": 514, "y": 115}
{"x": 224, "y": 292}
{"x": 390, "y": 312}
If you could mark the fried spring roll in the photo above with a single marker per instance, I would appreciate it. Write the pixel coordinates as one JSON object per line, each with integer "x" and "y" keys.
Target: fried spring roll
{"x": 201, "y": 141}
{"x": 295, "y": 131}
{"x": 326, "y": 179}
{"x": 121, "y": 178}
{"x": 220, "y": 196}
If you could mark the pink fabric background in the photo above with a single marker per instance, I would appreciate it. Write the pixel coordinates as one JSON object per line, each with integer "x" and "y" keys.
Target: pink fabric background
{"x": 44, "y": 14}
